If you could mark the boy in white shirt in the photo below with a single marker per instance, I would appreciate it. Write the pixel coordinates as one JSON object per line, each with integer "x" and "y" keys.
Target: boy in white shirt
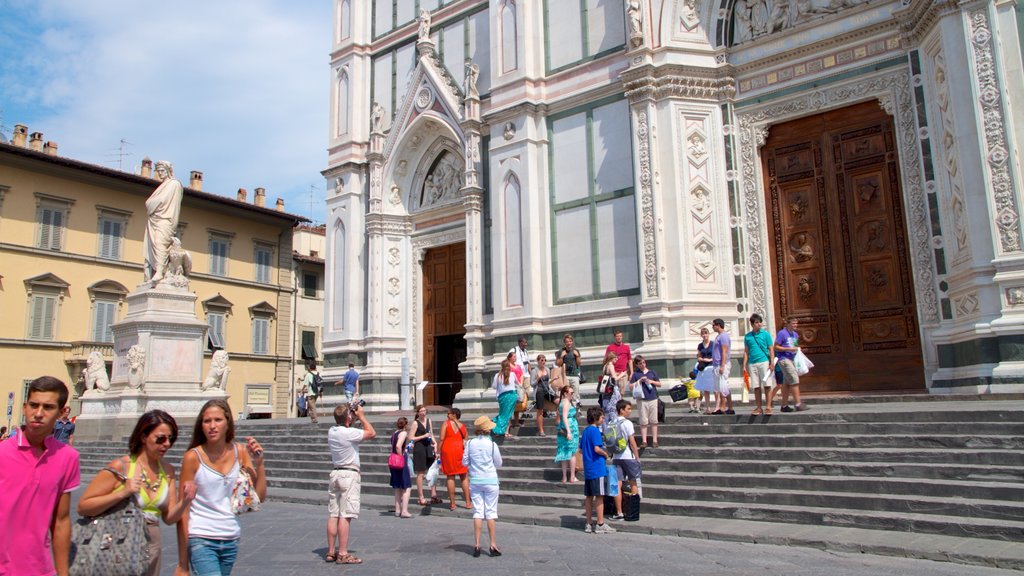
{"x": 628, "y": 460}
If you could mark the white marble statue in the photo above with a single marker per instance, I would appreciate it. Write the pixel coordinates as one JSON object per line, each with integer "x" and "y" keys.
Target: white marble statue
{"x": 376, "y": 117}
{"x": 179, "y": 261}
{"x": 472, "y": 73}
{"x": 741, "y": 31}
{"x": 217, "y": 377}
{"x": 636, "y": 22}
{"x": 136, "y": 358}
{"x": 424, "y": 30}
{"x": 96, "y": 373}
{"x": 163, "y": 208}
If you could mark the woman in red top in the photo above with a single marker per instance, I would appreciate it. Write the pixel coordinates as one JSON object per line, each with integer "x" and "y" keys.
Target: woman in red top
{"x": 453, "y": 438}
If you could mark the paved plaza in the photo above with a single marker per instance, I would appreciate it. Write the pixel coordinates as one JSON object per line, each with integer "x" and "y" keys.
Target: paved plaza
{"x": 284, "y": 539}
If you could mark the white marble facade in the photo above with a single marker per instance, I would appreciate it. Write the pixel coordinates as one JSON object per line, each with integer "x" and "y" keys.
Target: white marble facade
{"x": 645, "y": 136}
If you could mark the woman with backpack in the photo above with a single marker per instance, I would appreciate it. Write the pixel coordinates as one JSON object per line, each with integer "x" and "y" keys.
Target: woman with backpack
{"x": 312, "y": 383}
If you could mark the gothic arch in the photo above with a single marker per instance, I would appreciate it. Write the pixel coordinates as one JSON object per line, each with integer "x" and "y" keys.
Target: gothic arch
{"x": 338, "y": 276}
{"x": 344, "y": 30}
{"x": 508, "y": 30}
{"x": 415, "y": 151}
{"x": 343, "y": 97}
{"x": 513, "y": 245}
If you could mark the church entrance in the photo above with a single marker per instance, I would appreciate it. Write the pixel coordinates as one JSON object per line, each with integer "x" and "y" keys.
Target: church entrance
{"x": 840, "y": 261}
{"x": 444, "y": 321}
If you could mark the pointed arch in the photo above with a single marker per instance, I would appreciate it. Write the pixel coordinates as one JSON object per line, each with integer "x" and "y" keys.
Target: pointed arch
{"x": 343, "y": 98}
{"x": 338, "y": 276}
{"x": 344, "y": 30}
{"x": 508, "y": 29}
{"x": 513, "y": 209}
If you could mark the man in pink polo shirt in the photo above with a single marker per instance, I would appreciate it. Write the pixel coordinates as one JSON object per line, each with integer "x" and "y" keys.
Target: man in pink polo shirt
{"x": 623, "y": 360}
{"x": 37, "y": 475}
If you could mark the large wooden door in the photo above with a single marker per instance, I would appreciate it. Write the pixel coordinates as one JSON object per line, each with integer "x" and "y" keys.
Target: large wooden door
{"x": 839, "y": 251}
{"x": 444, "y": 320}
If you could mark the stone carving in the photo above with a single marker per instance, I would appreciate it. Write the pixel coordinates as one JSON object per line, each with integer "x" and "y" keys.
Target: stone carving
{"x": 393, "y": 286}
{"x": 636, "y": 23}
{"x": 1015, "y": 296}
{"x": 647, "y": 204}
{"x": 179, "y": 266}
{"x": 703, "y": 256}
{"x": 877, "y": 277}
{"x": 424, "y": 30}
{"x": 217, "y": 377}
{"x": 1007, "y": 218}
{"x": 805, "y": 288}
{"x": 753, "y": 128}
{"x": 697, "y": 148}
{"x": 339, "y": 185}
{"x": 377, "y": 118}
{"x": 874, "y": 237}
{"x": 424, "y": 98}
{"x": 798, "y": 208}
{"x": 472, "y": 149}
{"x": 966, "y": 305}
{"x": 136, "y": 358}
{"x": 396, "y": 195}
{"x": 393, "y": 316}
{"x": 950, "y": 151}
{"x": 688, "y": 17}
{"x": 800, "y": 247}
{"x": 701, "y": 200}
{"x": 163, "y": 208}
{"x": 509, "y": 131}
{"x": 469, "y": 85}
{"x": 394, "y": 256}
{"x": 758, "y": 18}
{"x": 96, "y": 373}
{"x": 443, "y": 182}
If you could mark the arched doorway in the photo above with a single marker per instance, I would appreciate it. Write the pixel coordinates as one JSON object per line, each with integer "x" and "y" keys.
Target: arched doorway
{"x": 839, "y": 248}
{"x": 444, "y": 321}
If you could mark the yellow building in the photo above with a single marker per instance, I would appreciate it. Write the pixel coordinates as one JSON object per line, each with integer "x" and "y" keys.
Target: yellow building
{"x": 71, "y": 245}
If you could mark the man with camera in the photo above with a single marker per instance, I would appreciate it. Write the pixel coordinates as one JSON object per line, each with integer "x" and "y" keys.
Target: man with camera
{"x": 343, "y": 490}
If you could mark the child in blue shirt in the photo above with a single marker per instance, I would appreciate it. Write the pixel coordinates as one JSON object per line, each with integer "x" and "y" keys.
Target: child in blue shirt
{"x": 594, "y": 471}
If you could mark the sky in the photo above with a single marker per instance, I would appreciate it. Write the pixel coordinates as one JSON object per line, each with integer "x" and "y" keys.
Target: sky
{"x": 236, "y": 89}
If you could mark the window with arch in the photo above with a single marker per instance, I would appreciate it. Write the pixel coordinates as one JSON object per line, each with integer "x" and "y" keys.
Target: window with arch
{"x": 513, "y": 241}
{"x": 106, "y": 296}
{"x": 337, "y": 300}
{"x": 45, "y": 294}
{"x": 342, "y": 110}
{"x": 509, "y": 36}
{"x": 344, "y": 20}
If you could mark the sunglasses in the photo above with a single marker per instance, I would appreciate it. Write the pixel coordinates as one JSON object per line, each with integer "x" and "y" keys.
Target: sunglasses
{"x": 163, "y": 439}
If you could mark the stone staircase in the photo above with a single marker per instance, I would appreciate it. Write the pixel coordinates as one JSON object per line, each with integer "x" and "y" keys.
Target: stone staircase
{"x": 951, "y": 468}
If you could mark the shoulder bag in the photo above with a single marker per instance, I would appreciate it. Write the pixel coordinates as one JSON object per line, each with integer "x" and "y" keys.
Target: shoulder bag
{"x": 396, "y": 461}
{"x": 243, "y": 495}
{"x": 114, "y": 543}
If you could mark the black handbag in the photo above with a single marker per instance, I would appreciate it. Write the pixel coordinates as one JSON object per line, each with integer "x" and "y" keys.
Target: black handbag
{"x": 114, "y": 543}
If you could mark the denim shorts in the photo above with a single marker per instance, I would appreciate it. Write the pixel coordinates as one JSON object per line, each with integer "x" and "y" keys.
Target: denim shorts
{"x": 211, "y": 557}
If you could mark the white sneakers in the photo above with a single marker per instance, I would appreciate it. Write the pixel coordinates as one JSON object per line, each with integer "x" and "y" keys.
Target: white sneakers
{"x": 598, "y": 529}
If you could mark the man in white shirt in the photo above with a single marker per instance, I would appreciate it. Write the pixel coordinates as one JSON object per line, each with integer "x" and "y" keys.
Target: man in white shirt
{"x": 344, "y": 488}
{"x": 628, "y": 460}
{"x": 522, "y": 356}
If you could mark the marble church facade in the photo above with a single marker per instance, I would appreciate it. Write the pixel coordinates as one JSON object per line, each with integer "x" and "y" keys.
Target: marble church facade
{"x": 507, "y": 168}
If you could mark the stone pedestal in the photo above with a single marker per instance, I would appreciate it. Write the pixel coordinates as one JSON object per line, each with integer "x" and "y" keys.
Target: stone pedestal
{"x": 162, "y": 320}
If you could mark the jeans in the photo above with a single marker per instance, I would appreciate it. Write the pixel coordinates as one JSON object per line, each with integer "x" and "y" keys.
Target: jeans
{"x": 212, "y": 557}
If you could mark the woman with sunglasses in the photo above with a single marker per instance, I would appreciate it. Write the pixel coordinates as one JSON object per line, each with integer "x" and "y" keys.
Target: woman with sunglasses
{"x": 146, "y": 476}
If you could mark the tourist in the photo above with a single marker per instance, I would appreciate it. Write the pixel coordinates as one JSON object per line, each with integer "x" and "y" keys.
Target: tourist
{"x": 483, "y": 458}
{"x": 145, "y": 475}
{"x": 758, "y": 358}
{"x": 594, "y": 471}
{"x": 522, "y": 356}
{"x": 309, "y": 382}
{"x": 344, "y": 489}
{"x": 645, "y": 385}
{"x": 424, "y": 452}
{"x": 706, "y": 386}
{"x": 300, "y": 402}
{"x": 623, "y": 360}
{"x": 401, "y": 480}
{"x": 64, "y": 428}
{"x": 522, "y": 381}
{"x": 786, "y": 346}
{"x": 3, "y": 433}
{"x": 628, "y": 460}
{"x": 571, "y": 361}
{"x": 542, "y": 390}
{"x": 453, "y": 444}
{"x": 37, "y": 474}
{"x": 351, "y": 382}
{"x": 608, "y": 385}
{"x": 720, "y": 362}
{"x": 505, "y": 389}
{"x": 568, "y": 435}
{"x": 213, "y": 464}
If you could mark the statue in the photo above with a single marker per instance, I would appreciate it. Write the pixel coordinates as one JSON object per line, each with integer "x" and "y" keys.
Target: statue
{"x": 472, "y": 73}
{"x": 742, "y": 30}
{"x": 376, "y": 117}
{"x": 136, "y": 362}
{"x": 636, "y": 24}
{"x": 163, "y": 208}
{"x": 217, "y": 377}
{"x": 96, "y": 373}
{"x": 424, "y": 30}
{"x": 179, "y": 261}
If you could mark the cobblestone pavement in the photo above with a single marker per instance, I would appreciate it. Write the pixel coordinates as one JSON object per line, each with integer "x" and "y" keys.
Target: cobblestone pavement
{"x": 289, "y": 539}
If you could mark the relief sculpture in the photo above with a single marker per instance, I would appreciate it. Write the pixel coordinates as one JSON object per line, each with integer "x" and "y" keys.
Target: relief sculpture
{"x": 800, "y": 247}
{"x": 755, "y": 18}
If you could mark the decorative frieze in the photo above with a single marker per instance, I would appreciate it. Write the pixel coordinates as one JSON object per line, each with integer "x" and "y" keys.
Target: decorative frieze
{"x": 647, "y": 223}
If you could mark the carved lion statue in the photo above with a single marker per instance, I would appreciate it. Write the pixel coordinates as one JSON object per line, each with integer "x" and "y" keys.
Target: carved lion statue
{"x": 179, "y": 261}
{"x": 217, "y": 377}
{"x": 96, "y": 373}
{"x": 136, "y": 362}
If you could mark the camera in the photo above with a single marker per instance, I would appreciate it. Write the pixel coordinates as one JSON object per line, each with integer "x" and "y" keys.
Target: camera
{"x": 357, "y": 404}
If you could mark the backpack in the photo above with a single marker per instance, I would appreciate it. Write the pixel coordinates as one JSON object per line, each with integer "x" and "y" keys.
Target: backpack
{"x": 317, "y": 385}
{"x": 605, "y": 387}
{"x": 614, "y": 442}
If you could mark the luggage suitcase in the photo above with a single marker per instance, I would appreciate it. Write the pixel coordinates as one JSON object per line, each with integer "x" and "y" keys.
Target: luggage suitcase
{"x": 609, "y": 506}
{"x": 630, "y": 506}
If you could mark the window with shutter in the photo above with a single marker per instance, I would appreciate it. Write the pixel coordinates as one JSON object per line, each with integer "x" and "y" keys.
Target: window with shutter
{"x": 110, "y": 239}
{"x": 218, "y": 256}
{"x": 216, "y": 334}
{"x": 309, "y": 284}
{"x": 263, "y": 258}
{"x": 42, "y": 321}
{"x": 104, "y": 314}
{"x": 51, "y": 228}
{"x": 260, "y": 336}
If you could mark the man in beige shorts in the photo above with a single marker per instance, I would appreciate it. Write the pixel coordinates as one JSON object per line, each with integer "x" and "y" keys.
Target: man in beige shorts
{"x": 344, "y": 487}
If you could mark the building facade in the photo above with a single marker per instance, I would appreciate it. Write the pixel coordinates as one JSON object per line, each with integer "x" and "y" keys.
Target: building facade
{"x": 506, "y": 168}
{"x": 71, "y": 249}
{"x": 307, "y": 338}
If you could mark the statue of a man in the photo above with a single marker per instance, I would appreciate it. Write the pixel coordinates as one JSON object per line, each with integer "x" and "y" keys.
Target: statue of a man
{"x": 424, "y": 30}
{"x": 163, "y": 208}
{"x": 376, "y": 117}
{"x": 472, "y": 73}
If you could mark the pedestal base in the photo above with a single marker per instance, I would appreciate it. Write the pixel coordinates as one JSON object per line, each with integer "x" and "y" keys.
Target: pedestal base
{"x": 112, "y": 415}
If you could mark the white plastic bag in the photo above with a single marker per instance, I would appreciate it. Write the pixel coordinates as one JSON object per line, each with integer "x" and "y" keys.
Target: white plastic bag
{"x": 803, "y": 363}
{"x": 433, "y": 472}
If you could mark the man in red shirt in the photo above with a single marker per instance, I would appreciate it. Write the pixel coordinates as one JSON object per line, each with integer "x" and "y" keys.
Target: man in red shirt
{"x": 623, "y": 360}
{"x": 37, "y": 473}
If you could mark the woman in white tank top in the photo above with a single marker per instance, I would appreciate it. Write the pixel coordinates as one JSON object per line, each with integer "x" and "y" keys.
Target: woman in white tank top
{"x": 212, "y": 465}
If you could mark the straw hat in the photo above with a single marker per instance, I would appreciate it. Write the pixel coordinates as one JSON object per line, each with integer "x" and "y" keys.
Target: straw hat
{"x": 484, "y": 423}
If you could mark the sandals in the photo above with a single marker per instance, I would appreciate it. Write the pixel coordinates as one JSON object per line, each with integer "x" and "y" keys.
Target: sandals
{"x": 768, "y": 410}
{"x": 349, "y": 559}
{"x": 757, "y": 412}
{"x": 424, "y": 502}
{"x": 436, "y": 500}
{"x": 452, "y": 507}
{"x": 330, "y": 558}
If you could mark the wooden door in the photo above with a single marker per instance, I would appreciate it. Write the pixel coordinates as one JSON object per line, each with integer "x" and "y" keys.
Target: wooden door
{"x": 444, "y": 316}
{"x": 839, "y": 249}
